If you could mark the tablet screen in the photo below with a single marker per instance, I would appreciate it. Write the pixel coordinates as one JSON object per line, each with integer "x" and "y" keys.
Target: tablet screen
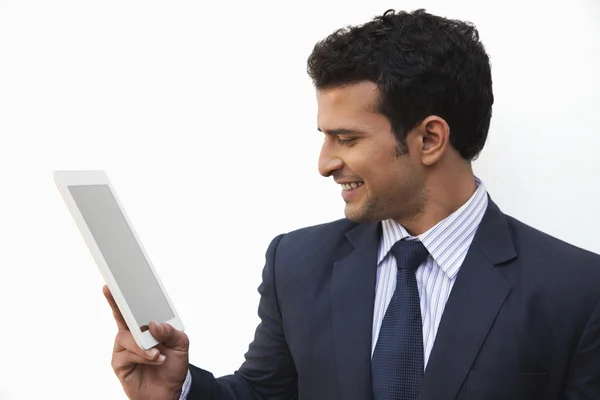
{"x": 122, "y": 254}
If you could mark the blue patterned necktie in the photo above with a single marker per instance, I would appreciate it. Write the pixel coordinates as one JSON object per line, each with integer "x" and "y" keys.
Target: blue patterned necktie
{"x": 398, "y": 360}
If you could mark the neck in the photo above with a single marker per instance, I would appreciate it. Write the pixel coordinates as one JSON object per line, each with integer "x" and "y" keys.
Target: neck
{"x": 445, "y": 192}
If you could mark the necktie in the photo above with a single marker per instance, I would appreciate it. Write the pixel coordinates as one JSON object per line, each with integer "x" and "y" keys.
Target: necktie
{"x": 398, "y": 360}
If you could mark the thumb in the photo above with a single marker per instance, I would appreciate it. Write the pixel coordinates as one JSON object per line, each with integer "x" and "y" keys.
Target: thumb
{"x": 169, "y": 336}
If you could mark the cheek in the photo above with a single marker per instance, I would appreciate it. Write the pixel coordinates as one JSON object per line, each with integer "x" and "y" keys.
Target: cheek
{"x": 377, "y": 166}
{"x": 391, "y": 179}
{"x": 381, "y": 185}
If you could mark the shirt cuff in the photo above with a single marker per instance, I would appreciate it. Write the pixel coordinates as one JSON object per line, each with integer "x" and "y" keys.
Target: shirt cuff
{"x": 185, "y": 390}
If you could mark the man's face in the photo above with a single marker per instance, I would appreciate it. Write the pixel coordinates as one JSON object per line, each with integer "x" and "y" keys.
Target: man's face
{"x": 379, "y": 178}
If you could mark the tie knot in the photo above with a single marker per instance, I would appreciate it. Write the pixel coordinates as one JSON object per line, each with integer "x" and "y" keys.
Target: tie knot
{"x": 409, "y": 254}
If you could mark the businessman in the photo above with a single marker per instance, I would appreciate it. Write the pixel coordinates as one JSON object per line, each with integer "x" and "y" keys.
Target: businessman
{"x": 426, "y": 290}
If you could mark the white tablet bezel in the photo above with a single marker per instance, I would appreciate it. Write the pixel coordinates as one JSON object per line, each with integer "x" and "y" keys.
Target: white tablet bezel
{"x": 64, "y": 179}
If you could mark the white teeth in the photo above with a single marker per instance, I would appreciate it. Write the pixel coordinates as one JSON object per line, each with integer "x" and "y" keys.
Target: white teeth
{"x": 350, "y": 186}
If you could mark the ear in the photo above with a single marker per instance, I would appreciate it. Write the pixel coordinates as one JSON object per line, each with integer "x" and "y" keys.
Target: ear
{"x": 435, "y": 139}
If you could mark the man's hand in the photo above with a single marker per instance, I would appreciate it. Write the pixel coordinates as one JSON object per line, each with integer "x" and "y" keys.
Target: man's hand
{"x": 157, "y": 373}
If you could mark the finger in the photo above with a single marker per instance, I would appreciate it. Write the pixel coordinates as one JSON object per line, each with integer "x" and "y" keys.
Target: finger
{"x": 124, "y": 341}
{"x": 169, "y": 336}
{"x": 115, "y": 309}
{"x": 124, "y": 360}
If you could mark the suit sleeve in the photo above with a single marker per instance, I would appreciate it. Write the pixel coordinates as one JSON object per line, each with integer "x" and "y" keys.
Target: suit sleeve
{"x": 584, "y": 376}
{"x": 268, "y": 371}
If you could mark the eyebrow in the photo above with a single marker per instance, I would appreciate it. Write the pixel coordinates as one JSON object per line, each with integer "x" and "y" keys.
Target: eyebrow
{"x": 342, "y": 132}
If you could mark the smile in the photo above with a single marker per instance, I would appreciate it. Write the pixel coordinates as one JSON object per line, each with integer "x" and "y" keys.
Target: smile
{"x": 351, "y": 186}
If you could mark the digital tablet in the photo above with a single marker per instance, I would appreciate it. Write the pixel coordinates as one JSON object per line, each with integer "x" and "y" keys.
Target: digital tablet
{"x": 118, "y": 252}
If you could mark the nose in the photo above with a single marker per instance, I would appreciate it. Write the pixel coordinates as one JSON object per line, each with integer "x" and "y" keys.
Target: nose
{"x": 329, "y": 162}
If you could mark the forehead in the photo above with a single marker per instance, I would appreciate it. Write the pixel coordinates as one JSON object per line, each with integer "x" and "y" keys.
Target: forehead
{"x": 350, "y": 104}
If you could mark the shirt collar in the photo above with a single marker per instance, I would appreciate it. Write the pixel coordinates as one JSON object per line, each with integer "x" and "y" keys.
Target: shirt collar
{"x": 436, "y": 239}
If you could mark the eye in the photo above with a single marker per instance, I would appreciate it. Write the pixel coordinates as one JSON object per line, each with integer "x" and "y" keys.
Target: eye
{"x": 345, "y": 141}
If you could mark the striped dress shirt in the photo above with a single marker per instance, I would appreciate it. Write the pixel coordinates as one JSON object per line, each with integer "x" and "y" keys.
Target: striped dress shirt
{"x": 447, "y": 243}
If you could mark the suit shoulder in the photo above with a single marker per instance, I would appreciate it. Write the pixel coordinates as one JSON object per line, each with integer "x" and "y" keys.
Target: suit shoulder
{"x": 320, "y": 233}
{"x": 311, "y": 243}
{"x": 530, "y": 239}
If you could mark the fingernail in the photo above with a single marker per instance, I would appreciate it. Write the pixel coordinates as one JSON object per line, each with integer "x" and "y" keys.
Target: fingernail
{"x": 161, "y": 358}
{"x": 152, "y": 353}
{"x": 158, "y": 327}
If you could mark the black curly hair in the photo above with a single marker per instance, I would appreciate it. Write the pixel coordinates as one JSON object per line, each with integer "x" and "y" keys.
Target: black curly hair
{"x": 423, "y": 65}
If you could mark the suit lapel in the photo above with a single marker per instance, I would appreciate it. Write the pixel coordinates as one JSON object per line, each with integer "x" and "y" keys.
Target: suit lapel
{"x": 352, "y": 300}
{"x": 476, "y": 298}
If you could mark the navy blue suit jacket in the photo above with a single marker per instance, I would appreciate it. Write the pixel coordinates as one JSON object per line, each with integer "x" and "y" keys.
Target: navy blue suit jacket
{"x": 522, "y": 321}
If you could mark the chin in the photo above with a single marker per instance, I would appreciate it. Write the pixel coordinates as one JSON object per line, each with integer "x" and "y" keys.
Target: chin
{"x": 356, "y": 214}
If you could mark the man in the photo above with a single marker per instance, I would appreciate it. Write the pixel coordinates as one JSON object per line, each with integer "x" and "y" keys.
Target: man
{"x": 426, "y": 290}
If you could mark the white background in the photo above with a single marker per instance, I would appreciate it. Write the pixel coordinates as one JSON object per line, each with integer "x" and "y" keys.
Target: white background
{"x": 205, "y": 121}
